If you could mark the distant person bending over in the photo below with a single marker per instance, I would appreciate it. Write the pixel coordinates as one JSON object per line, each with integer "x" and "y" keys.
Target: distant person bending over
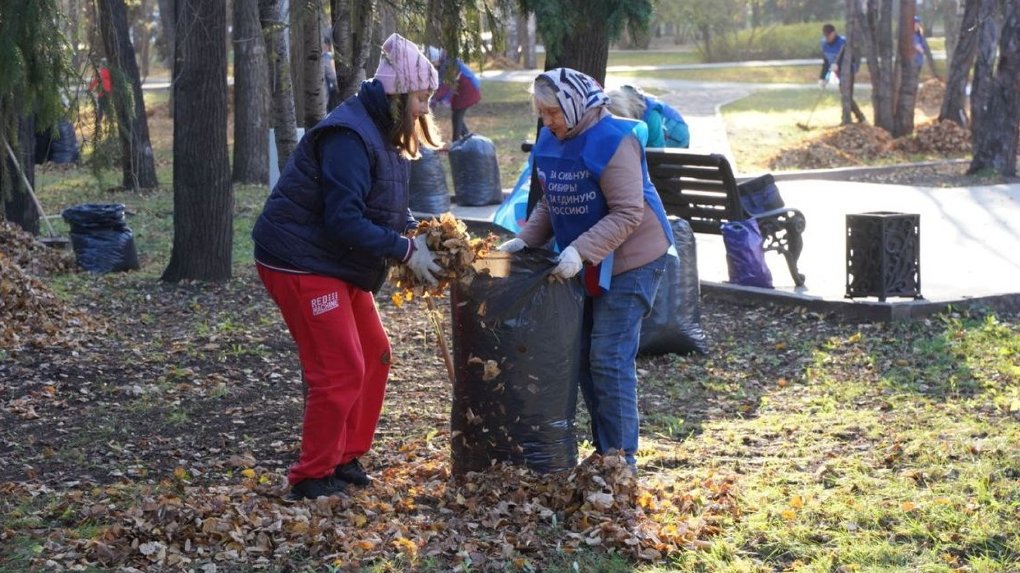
{"x": 465, "y": 91}
{"x": 833, "y": 47}
{"x": 666, "y": 127}
{"x": 329, "y": 231}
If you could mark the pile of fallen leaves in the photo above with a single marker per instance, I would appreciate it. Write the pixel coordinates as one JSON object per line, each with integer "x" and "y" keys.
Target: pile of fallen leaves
{"x": 945, "y": 137}
{"x": 35, "y": 258}
{"x": 31, "y": 315}
{"x": 812, "y": 155}
{"x": 504, "y": 517}
{"x": 455, "y": 251}
{"x": 930, "y": 94}
{"x": 859, "y": 140}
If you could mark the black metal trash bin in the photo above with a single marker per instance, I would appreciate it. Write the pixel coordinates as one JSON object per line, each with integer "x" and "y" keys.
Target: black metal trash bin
{"x": 883, "y": 255}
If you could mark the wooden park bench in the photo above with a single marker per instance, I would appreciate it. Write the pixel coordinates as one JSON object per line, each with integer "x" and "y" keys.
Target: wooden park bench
{"x": 702, "y": 190}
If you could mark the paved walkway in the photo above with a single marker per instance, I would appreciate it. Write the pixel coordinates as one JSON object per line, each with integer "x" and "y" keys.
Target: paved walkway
{"x": 970, "y": 237}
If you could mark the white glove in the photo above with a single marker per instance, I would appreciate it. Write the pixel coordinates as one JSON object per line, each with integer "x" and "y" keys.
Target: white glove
{"x": 569, "y": 263}
{"x": 512, "y": 246}
{"x": 423, "y": 261}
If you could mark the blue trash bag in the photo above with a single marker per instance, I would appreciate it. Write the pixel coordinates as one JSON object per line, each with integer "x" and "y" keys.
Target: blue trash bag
{"x": 513, "y": 213}
{"x": 745, "y": 257}
{"x": 101, "y": 240}
{"x": 760, "y": 194}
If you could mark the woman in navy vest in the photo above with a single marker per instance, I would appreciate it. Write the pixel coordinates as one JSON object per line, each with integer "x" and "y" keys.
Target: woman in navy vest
{"x": 607, "y": 221}
{"x": 323, "y": 244}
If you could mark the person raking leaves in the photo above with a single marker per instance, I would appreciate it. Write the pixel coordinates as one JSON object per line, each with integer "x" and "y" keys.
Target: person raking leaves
{"x": 330, "y": 229}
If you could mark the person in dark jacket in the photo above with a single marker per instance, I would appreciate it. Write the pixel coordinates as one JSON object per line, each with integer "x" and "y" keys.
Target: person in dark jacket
{"x": 329, "y": 230}
{"x": 460, "y": 89}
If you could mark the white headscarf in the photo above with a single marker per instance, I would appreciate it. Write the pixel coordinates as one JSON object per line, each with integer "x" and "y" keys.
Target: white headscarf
{"x": 577, "y": 93}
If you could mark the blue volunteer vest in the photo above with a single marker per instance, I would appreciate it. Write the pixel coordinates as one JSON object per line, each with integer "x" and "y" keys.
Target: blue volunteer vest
{"x": 569, "y": 172}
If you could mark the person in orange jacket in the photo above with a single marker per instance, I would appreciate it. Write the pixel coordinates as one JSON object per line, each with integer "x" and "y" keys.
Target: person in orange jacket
{"x": 101, "y": 88}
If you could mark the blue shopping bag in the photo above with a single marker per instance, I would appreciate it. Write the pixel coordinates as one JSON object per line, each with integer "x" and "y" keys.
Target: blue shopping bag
{"x": 513, "y": 212}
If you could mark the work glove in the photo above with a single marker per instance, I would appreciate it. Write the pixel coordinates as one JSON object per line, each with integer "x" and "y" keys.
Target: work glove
{"x": 822, "y": 83}
{"x": 568, "y": 263}
{"x": 512, "y": 246}
{"x": 423, "y": 262}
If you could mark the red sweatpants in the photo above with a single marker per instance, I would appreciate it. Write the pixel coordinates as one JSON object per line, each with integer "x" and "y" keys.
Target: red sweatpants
{"x": 345, "y": 356}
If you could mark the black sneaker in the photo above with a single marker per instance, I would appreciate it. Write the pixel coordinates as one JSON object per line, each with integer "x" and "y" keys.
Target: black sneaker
{"x": 314, "y": 488}
{"x": 352, "y": 472}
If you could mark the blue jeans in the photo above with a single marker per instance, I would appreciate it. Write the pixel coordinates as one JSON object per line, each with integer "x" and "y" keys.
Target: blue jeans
{"x": 610, "y": 336}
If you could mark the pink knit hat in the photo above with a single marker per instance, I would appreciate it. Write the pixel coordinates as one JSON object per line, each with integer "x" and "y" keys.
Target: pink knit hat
{"x": 403, "y": 68}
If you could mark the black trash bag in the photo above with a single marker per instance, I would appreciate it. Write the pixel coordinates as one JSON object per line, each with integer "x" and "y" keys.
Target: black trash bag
{"x": 101, "y": 239}
{"x": 760, "y": 194}
{"x": 745, "y": 254}
{"x": 675, "y": 322}
{"x": 517, "y": 368}
{"x": 429, "y": 193}
{"x": 475, "y": 171}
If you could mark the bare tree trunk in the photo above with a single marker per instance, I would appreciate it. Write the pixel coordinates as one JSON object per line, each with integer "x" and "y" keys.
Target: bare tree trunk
{"x": 352, "y": 42}
{"x": 997, "y": 128}
{"x": 282, "y": 116}
{"x": 167, "y": 12}
{"x": 314, "y": 80}
{"x": 530, "y": 52}
{"x": 142, "y": 35}
{"x": 18, "y": 206}
{"x": 875, "y": 26}
{"x": 955, "y": 100}
{"x": 906, "y": 96}
{"x": 137, "y": 161}
{"x": 203, "y": 197}
{"x": 251, "y": 96}
{"x": 984, "y": 66}
{"x": 513, "y": 38}
{"x": 846, "y": 84}
{"x": 950, "y": 10}
{"x": 295, "y": 41}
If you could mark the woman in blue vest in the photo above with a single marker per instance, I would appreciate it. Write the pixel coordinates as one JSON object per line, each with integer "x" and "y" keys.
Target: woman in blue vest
{"x": 323, "y": 244}
{"x": 666, "y": 127}
{"x": 609, "y": 225}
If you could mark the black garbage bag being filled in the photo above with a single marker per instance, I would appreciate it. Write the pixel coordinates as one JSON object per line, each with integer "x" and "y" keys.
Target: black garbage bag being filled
{"x": 516, "y": 346}
{"x": 429, "y": 193}
{"x": 101, "y": 239}
{"x": 475, "y": 171}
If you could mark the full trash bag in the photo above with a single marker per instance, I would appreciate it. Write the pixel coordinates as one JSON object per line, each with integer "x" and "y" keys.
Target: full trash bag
{"x": 745, "y": 256}
{"x": 101, "y": 240}
{"x": 475, "y": 171}
{"x": 516, "y": 346}
{"x": 675, "y": 322}
{"x": 760, "y": 194}
{"x": 429, "y": 193}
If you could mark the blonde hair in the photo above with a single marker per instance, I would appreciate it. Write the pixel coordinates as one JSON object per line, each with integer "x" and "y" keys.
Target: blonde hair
{"x": 409, "y": 135}
{"x": 627, "y": 102}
